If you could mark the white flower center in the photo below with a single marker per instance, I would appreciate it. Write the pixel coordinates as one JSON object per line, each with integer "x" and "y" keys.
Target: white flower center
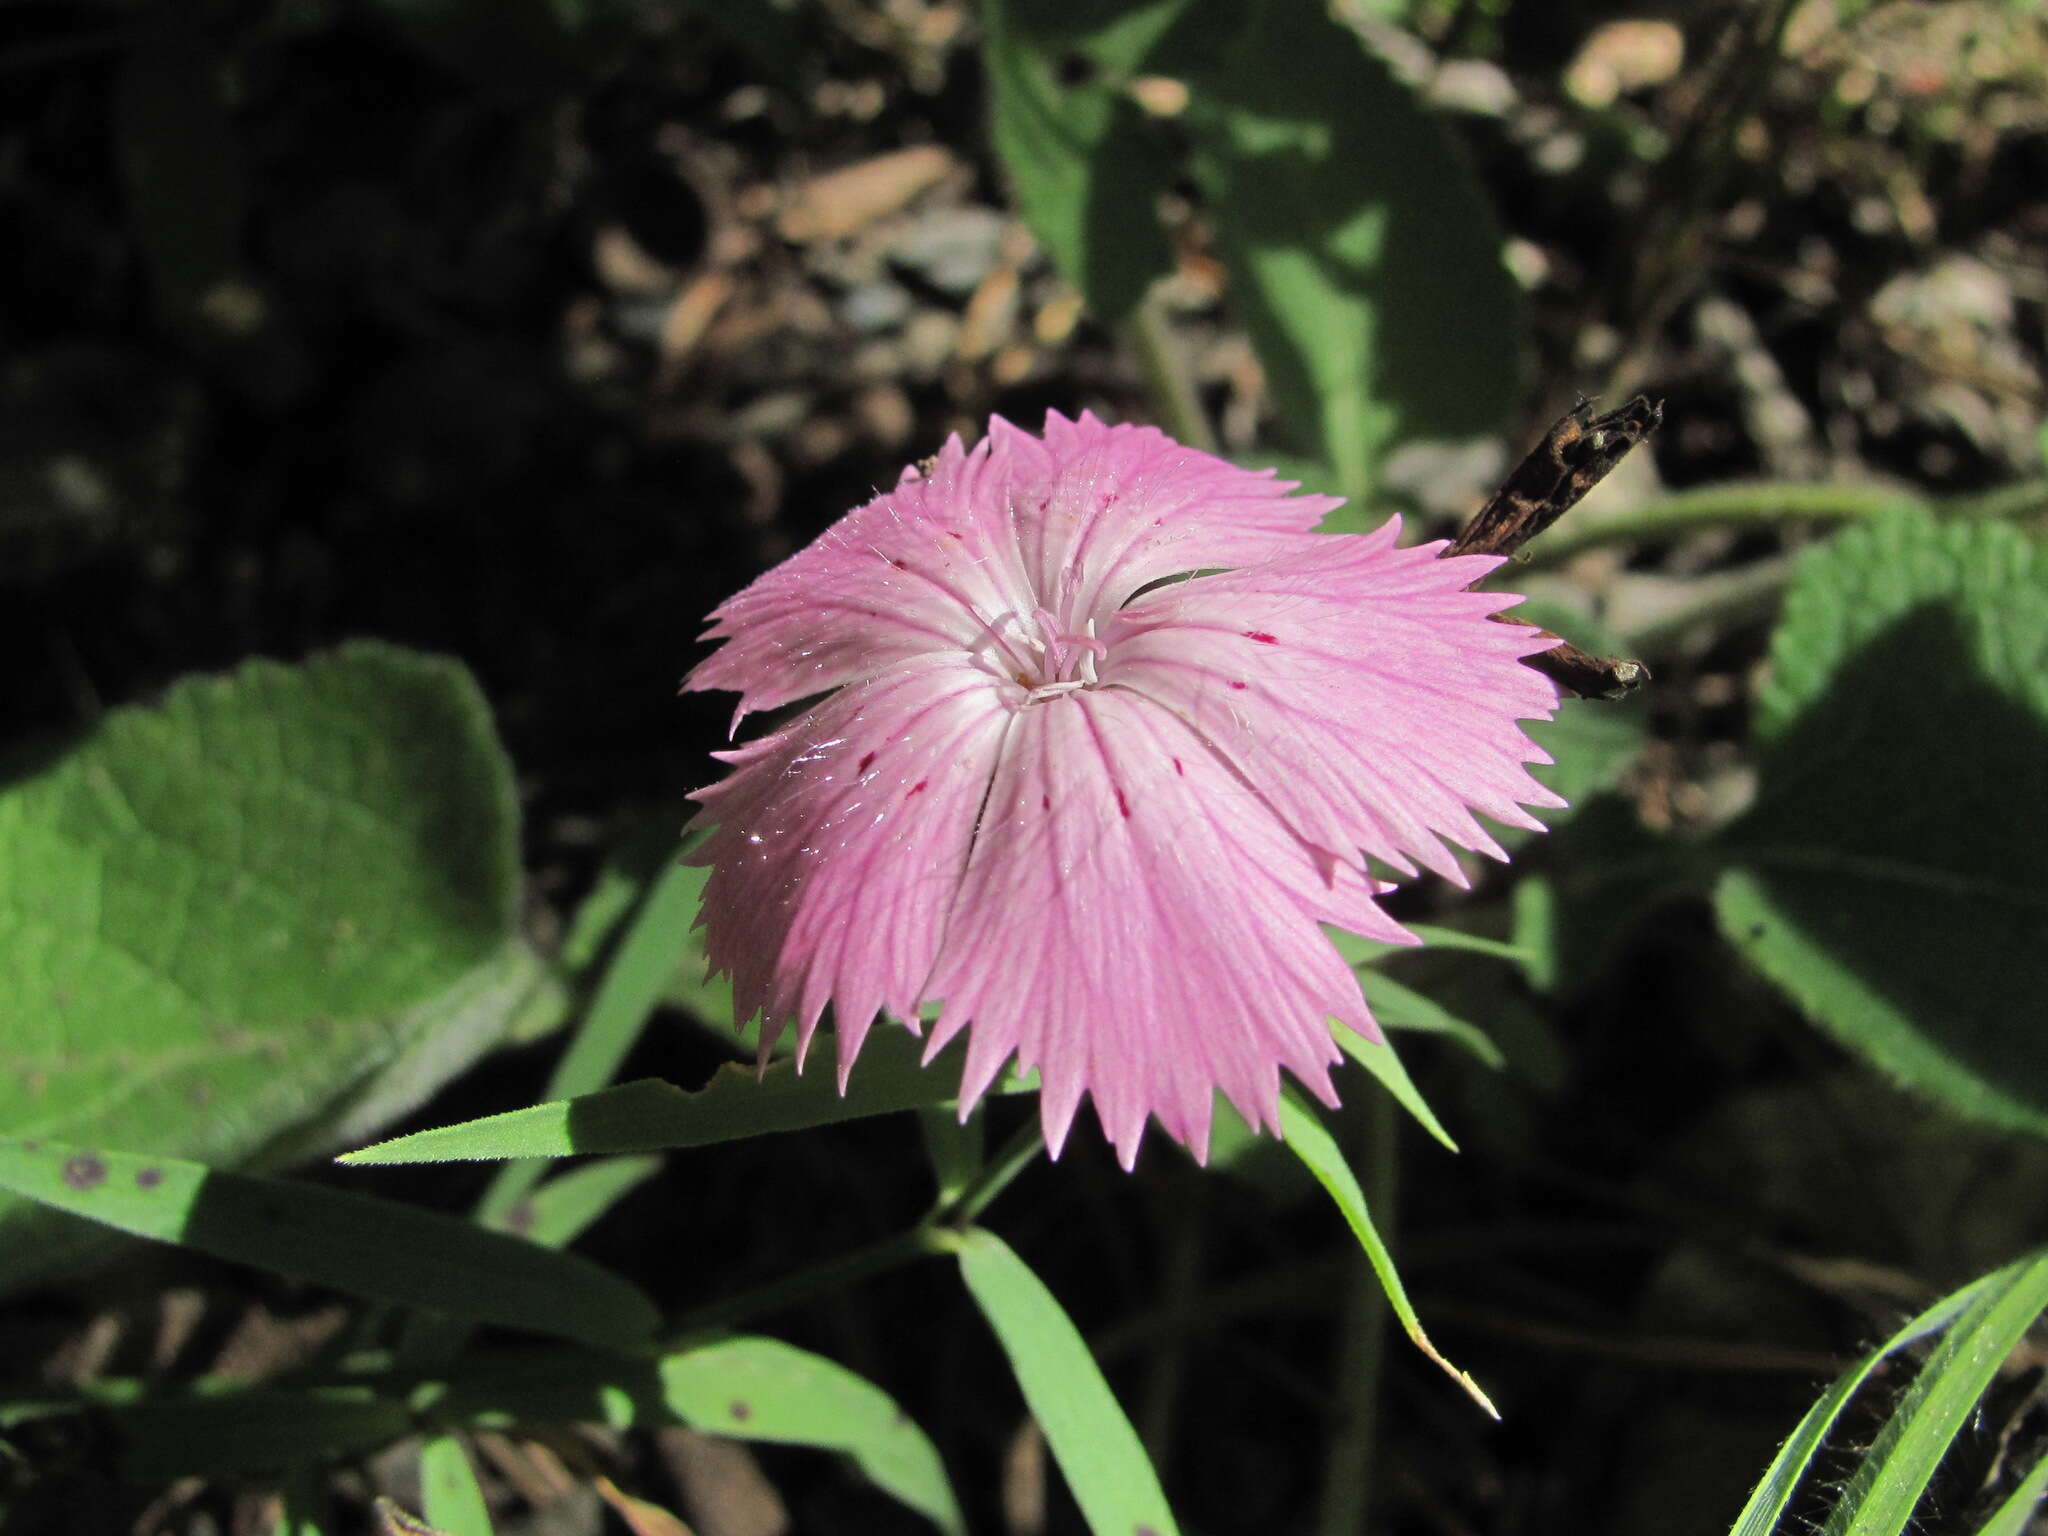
{"x": 1045, "y": 657}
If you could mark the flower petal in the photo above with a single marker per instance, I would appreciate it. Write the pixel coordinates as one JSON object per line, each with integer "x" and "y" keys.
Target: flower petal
{"x": 1139, "y": 925}
{"x": 924, "y": 568}
{"x": 839, "y": 846}
{"x": 1102, "y": 511}
{"x": 1359, "y": 686}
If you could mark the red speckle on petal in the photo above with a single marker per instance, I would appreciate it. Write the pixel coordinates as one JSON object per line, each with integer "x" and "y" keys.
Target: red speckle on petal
{"x": 900, "y": 563}
{"x": 1045, "y": 802}
{"x": 1123, "y": 805}
{"x": 1261, "y": 636}
{"x": 867, "y": 761}
{"x": 1238, "y": 685}
{"x": 917, "y": 788}
{"x": 1179, "y": 768}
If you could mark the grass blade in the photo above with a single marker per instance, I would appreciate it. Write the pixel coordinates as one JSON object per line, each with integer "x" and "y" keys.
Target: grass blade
{"x": 1891, "y": 1477}
{"x": 650, "y": 1116}
{"x": 1097, "y": 1450}
{"x": 1773, "y": 1493}
{"x": 557, "y": 1213}
{"x": 1308, "y": 1139}
{"x": 367, "y": 1247}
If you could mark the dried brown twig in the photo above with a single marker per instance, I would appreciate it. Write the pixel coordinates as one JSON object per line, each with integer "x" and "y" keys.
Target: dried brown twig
{"x": 1574, "y": 456}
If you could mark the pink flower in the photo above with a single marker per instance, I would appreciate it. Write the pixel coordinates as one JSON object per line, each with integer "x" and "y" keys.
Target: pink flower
{"x": 1096, "y": 813}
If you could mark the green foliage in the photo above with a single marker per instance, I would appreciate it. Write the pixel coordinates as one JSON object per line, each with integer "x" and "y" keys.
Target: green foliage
{"x": 1361, "y": 254}
{"x": 1309, "y": 1140}
{"x": 1097, "y": 1450}
{"x": 1889, "y": 876}
{"x": 1984, "y": 1320}
{"x": 372, "y": 1248}
{"x": 222, "y": 919}
{"x": 1085, "y": 171}
{"x": 1364, "y": 259}
{"x": 738, "y": 1102}
{"x": 448, "y": 1489}
{"x": 762, "y": 1389}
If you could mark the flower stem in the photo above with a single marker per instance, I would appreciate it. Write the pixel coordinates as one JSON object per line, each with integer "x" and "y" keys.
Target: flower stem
{"x": 930, "y": 1236}
{"x": 1372, "y": 1144}
{"x": 1166, "y": 375}
{"x": 1766, "y": 504}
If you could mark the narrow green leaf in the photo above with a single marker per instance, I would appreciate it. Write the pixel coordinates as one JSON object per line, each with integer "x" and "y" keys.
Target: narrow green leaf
{"x": 1361, "y": 253}
{"x": 452, "y": 1500}
{"x": 632, "y": 986}
{"x": 181, "y": 972}
{"x": 374, "y": 1248}
{"x": 1773, "y": 1493}
{"x": 1472, "y": 943}
{"x": 1378, "y": 1058}
{"x": 1889, "y": 876}
{"x": 650, "y": 1116}
{"x": 2016, "y": 1514}
{"x": 557, "y": 1213}
{"x": 249, "y": 1431}
{"x": 1397, "y": 1006}
{"x": 1097, "y": 1450}
{"x": 1893, "y": 1474}
{"x": 1309, "y": 1140}
{"x": 762, "y": 1389}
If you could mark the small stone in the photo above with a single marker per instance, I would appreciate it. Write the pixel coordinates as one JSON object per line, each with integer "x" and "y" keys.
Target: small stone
{"x": 953, "y": 249}
{"x": 875, "y": 306}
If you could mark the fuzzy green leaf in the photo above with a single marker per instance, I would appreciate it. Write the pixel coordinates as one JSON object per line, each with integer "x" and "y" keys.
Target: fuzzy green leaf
{"x": 222, "y": 919}
{"x": 1889, "y": 876}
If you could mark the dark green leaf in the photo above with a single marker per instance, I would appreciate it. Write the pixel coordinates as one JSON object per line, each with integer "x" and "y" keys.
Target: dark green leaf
{"x": 245, "y": 1432}
{"x": 181, "y": 168}
{"x": 557, "y": 1213}
{"x": 1890, "y": 874}
{"x": 1097, "y": 1450}
{"x": 228, "y": 917}
{"x": 374, "y": 1248}
{"x": 650, "y": 1116}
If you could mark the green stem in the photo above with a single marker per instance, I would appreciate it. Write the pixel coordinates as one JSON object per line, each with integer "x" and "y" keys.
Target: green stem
{"x": 836, "y": 1274}
{"x": 1768, "y": 504}
{"x": 1361, "y": 1350}
{"x": 927, "y": 1238}
{"x": 1166, "y": 375}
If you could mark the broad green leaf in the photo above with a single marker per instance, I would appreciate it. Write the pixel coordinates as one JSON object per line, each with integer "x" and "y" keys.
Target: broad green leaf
{"x": 1097, "y": 1450}
{"x": 557, "y": 1213}
{"x": 632, "y": 986}
{"x": 762, "y": 1389}
{"x": 1085, "y": 166}
{"x": 1309, "y": 1140}
{"x": 1890, "y": 874}
{"x": 1893, "y": 1474}
{"x": 238, "y": 1432}
{"x": 451, "y": 1499}
{"x": 374, "y": 1248}
{"x": 224, "y": 918}
{"x": 651, "y": 1116}
{"x": 1364, "y": 261}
